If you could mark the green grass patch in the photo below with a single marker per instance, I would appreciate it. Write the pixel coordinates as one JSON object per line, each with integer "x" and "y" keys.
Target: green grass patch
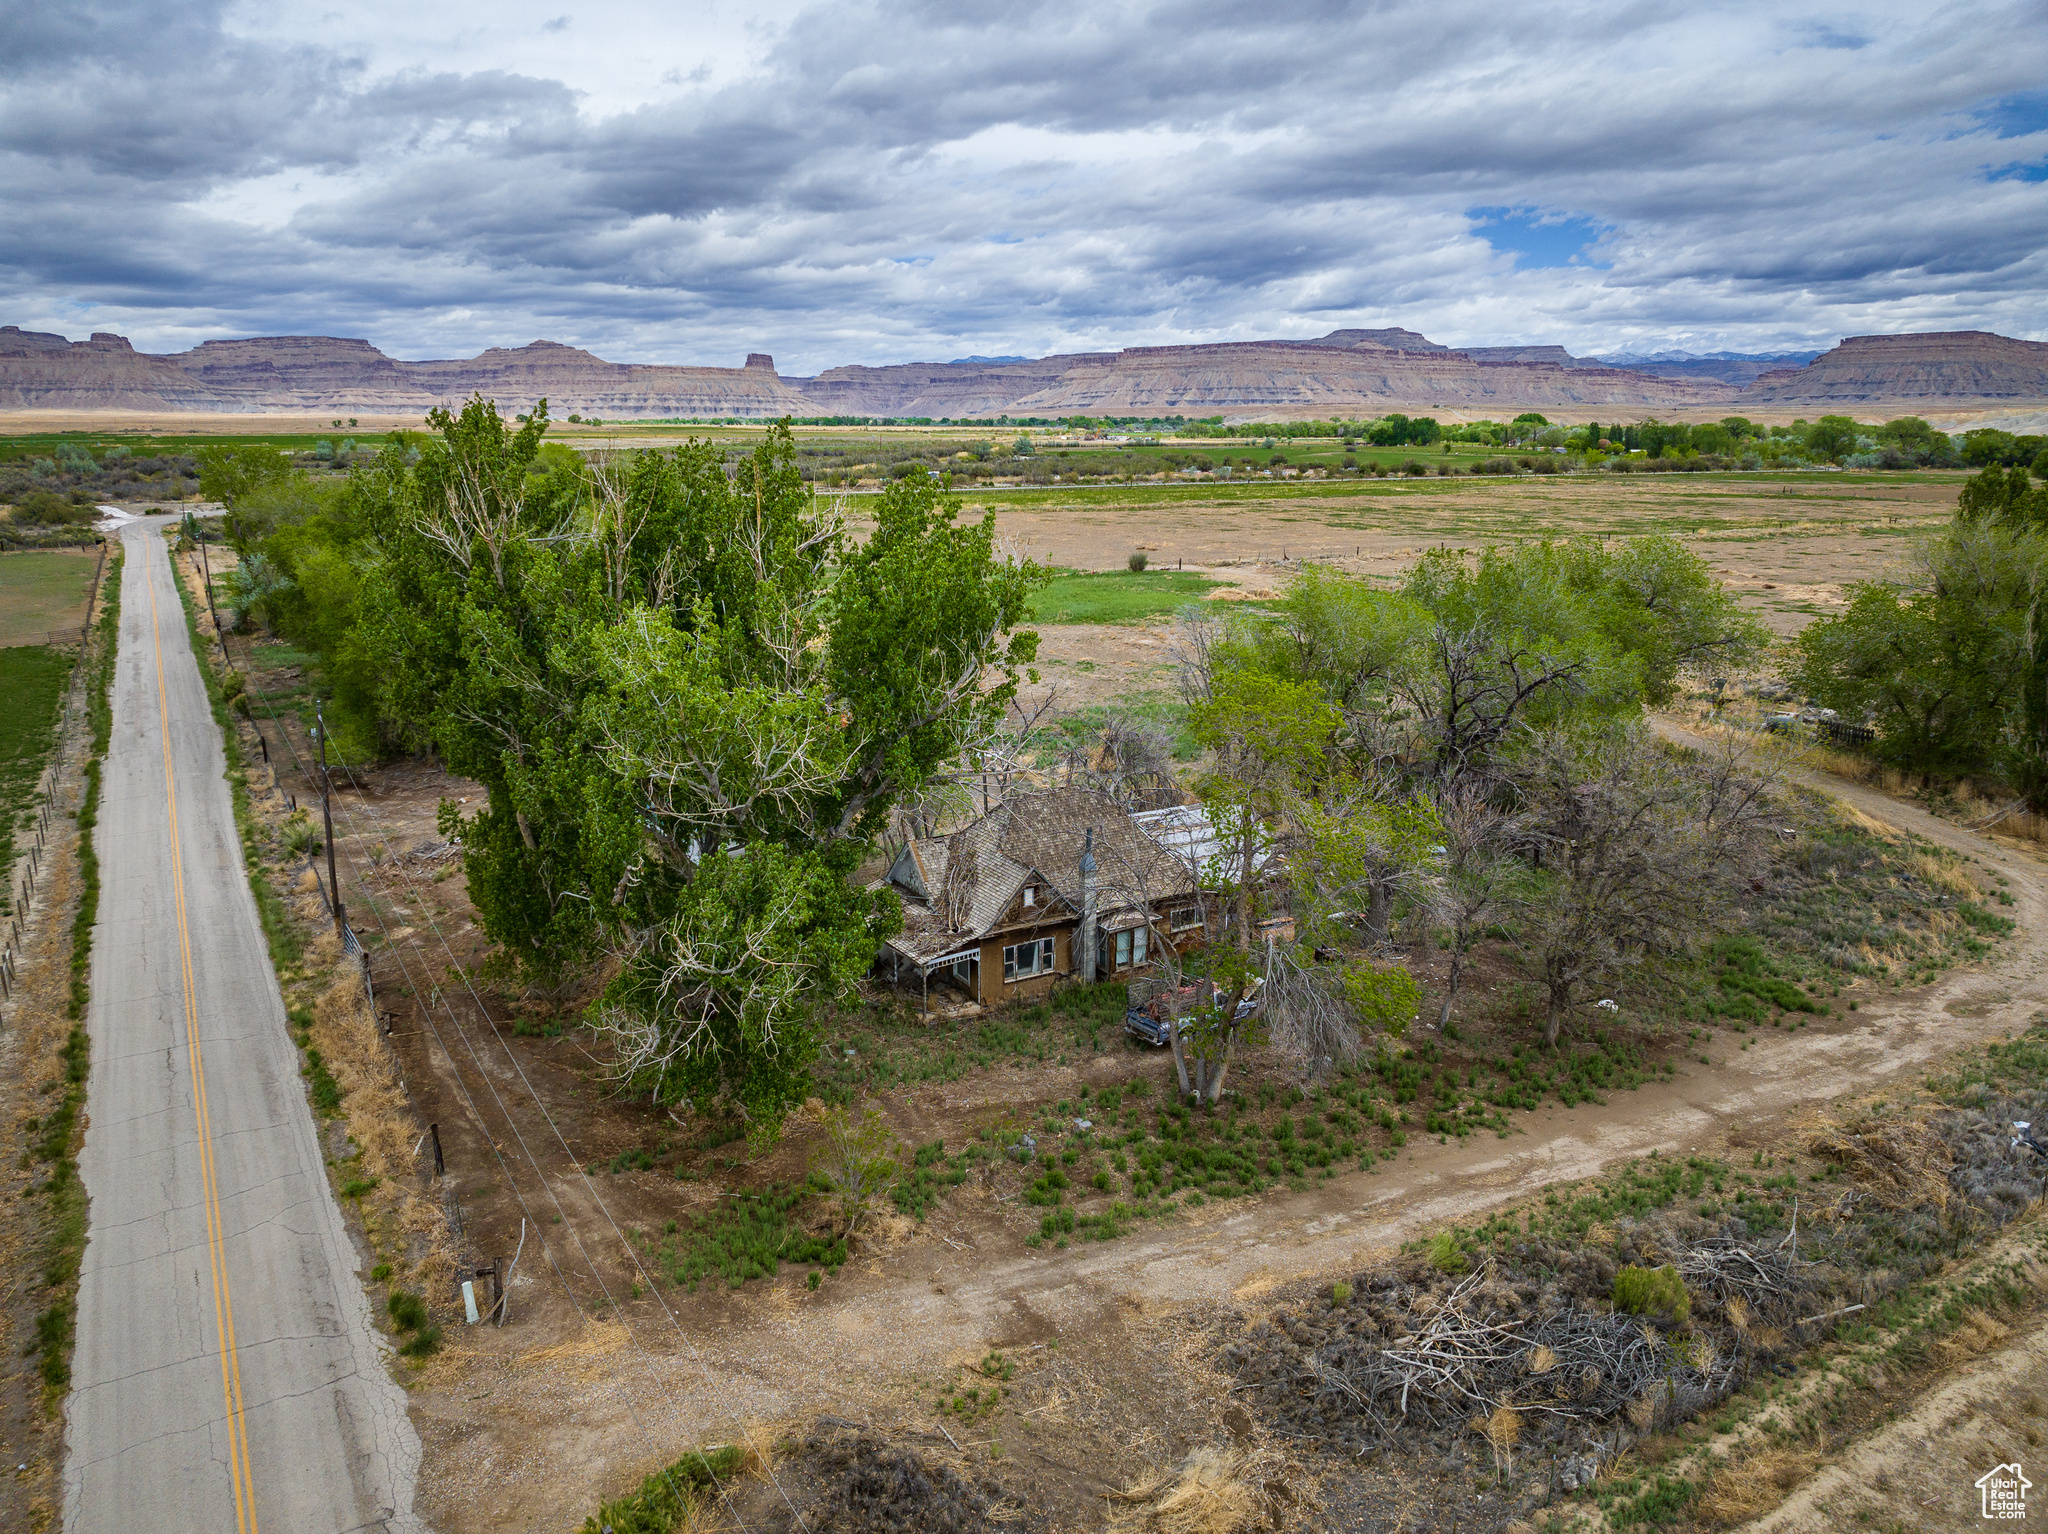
{"x": 321, "y": 1087}
{"x": 1748, "y": 983}
{"x": 41, "y": 592}
{"x": 665, "y": 1500}
{"x": 32, "y": 681}
{"x": 1116, "y": 596}
{"x": 745, "y": 1237}
{"x": 929, "y": 1177}
{"x": 892, "y": 1047}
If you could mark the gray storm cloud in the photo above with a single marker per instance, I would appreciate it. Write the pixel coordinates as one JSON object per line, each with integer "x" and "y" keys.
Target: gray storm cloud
{"x": 880, "y": 183}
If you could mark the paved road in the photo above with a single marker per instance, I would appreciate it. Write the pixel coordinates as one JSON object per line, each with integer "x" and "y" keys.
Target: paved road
{"x": 227, "y": 1375}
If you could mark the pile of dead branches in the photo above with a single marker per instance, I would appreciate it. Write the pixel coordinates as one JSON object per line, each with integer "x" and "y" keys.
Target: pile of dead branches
{"x": 1569, "y": 1363}
{"x": 1764, "y": 1282}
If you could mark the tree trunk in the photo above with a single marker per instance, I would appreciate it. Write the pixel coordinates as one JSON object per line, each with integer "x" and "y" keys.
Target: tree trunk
{"x": 1553, "y": 1016}
{"x": 1376, "y": 911}
{"x": 1180, "y": 1058}
{"x": 1451, "y": 992}
{"x": 1222, "y": 1069}
{"x": 1244, "y": 899}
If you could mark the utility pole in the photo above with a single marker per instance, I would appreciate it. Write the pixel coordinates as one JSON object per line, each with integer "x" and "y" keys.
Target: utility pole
{"x": 327, "y": 816}
{"x": 206, "y": 572}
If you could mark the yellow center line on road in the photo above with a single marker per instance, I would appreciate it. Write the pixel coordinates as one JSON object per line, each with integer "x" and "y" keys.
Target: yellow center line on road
{"x": 223, "y": 1305}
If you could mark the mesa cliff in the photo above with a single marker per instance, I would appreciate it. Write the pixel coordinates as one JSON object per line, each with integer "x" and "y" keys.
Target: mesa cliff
{"x": 1347, "y": 372}
{"x": 1964, "y": 367}
{"x": 329, "y": 374}
{"x": 1343, "y": 373}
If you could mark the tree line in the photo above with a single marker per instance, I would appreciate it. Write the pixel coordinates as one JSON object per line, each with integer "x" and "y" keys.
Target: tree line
{"x": 1947, "y": 660}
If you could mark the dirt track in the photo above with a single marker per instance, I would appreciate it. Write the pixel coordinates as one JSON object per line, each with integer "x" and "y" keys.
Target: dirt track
{"x": 564, "y": 1424}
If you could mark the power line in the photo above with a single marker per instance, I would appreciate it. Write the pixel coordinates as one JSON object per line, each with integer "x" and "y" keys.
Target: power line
{"x": 426, "y": 1015}
{"x": 653, "y": 1287}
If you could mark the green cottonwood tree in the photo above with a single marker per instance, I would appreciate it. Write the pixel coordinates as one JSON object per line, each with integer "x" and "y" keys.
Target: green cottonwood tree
{"x": 692, "y": 699}
{"x": 1936, "y": 668}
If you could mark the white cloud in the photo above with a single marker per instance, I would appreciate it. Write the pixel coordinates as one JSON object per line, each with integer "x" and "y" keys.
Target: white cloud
{"x": 896, "y": 181}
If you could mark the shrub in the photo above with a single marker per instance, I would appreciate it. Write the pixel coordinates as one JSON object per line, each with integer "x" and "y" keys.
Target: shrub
{"x": 45, "y": 508}
{"x": 1382, "y": 999}
{"x": 423, "y": 1344}
{"x": 1651, "y": 1292}
{"x": 1340, "y": 1293}
{"x": 1445, "y": 1255}
{"x": 1138, "y": 562}
{"x": 858, "y": 1163}
{"x": 407, "y": 1309}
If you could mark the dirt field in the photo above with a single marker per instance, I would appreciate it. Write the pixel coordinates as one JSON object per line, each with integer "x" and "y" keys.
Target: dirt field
{"x": 1787, "y": 552}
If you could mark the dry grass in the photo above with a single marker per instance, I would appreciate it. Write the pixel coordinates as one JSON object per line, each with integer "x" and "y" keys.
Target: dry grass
{"x": 1982, "y": 807}
{"x": 1214, "y": 1491}
{"x": 1896, "y": 1158}
{"x": 588, "y": 1355}
{"x": 380, "y": 1123}
{"x": 1748, "y": 1486}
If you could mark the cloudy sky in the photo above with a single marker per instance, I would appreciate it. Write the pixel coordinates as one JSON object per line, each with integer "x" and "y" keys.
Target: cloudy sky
{"x": 689, "y": 181}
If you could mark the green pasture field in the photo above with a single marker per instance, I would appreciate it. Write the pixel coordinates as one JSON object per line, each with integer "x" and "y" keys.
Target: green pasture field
{"x": 32, "y": 679}
{"x": 1116, "y": 596}
{"x": 141, "y": 444}
{"x": 41, "y": 592}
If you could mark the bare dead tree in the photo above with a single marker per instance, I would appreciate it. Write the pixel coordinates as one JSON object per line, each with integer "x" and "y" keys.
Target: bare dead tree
{"x": 1476, "y": 687}
{"x": 1305, "y": 1012}
{"x": 1004, "y": 756}
{"x": 1132, "y": 764}
{"x": 1478, "y": 874}
{"x": 1196, "y": 634}
{"x": 1647, "y": 848}
{"x": 956, "y": 890}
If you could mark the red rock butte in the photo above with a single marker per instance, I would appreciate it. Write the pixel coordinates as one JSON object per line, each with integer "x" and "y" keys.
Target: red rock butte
{"x": 1345, "y": 373}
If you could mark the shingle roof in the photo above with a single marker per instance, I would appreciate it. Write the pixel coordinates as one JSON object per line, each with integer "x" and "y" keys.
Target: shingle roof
{"x": 1034, "y": 838}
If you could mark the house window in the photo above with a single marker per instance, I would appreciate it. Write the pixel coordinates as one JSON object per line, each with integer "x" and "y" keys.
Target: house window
{"x": 1183, "y": 917}
{"x": 1023, "y": 960}
{"x": 1030, "y": 895}
{"x": 1130, "y": 948}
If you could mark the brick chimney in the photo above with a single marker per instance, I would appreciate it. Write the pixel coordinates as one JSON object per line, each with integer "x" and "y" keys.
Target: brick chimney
{"x": 1086, "y": 959}
{"x": 761, "y": 360}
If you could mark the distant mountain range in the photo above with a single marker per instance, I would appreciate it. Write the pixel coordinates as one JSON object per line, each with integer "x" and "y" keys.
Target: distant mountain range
{"x": 1738, "y": 368}
{"x": 1630, "y": 359}
{"x": 1344, "y": 373}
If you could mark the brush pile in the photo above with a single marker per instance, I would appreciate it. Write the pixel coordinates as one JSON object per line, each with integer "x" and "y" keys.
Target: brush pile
{"x": 1528, "y": 1340}
{"x": 1532, "y": 1349}
{"x": 873, "y": 1487}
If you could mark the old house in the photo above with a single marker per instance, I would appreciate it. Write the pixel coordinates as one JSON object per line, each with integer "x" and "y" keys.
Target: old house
{"x": 1002, "y": 908}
